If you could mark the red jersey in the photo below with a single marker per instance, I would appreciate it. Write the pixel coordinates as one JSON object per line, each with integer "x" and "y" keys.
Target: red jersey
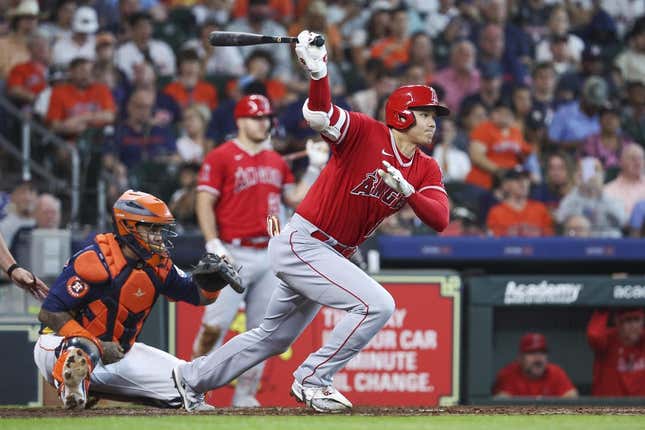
{"x": 513, "y": 381}
{"x": 68, "y": 101}
{"x": 618, "y": 370}
{"x": 349, "y": 199}
{"x": 203, "y": 93}
{"x": 30, "y": 75}
{"x": 248, "y": 187}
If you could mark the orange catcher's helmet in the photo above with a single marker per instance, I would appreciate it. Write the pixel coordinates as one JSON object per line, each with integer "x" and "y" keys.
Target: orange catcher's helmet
{"x": 254, "y": 105}
{"x": 397, "y": 109}
{"x": 134, "y": 208}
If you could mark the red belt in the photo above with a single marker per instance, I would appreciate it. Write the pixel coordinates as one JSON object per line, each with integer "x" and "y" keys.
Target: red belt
{"x": 345, "y": 251}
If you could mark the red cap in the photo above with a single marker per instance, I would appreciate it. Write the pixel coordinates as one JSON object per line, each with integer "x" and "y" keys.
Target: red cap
{"x": 627, "y": 313}
{"x": 532, "y": 342}
{"x": 255, "y": 105}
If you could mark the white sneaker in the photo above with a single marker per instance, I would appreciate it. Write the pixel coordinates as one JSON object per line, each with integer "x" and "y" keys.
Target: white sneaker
{"x": 320, "y": 399}
{"x": 75, "y": 373}
{"x": 245, "y": 402}
{"x": 192, "y": 401}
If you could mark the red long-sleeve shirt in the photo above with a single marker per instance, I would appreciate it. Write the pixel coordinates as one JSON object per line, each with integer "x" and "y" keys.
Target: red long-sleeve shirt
{"x": 618, "y": 370}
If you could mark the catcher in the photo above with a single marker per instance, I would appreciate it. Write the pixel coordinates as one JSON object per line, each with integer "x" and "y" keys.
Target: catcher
{"x": 97, "y": 307}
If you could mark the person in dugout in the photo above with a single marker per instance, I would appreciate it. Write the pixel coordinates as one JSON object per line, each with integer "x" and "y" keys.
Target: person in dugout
{"x": 531, "y": 375}
{"x": 97, "y": 306}
{"x": 619, "y": 352}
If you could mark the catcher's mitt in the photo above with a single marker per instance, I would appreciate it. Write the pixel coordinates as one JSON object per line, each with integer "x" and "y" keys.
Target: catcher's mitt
{"x": 213, "y": 273}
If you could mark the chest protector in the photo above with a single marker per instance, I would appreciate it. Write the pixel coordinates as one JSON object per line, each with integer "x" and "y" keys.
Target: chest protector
{"x": 129, "y": 293}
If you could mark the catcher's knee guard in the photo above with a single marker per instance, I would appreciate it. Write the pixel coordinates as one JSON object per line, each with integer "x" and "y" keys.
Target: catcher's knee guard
{"x": 206, "y": 338}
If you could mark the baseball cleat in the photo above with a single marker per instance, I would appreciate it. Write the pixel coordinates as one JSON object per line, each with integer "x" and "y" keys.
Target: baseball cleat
{"x": 245, "y": 402}
{"x": 191, "y": 400}
{"x": 76, "y": 379}
{"x": 320, "y": 399}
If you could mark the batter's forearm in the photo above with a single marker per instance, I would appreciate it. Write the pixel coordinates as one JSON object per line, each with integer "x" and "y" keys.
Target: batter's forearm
{"x": 319, "y": 95}
{"x": 433, "y": 210}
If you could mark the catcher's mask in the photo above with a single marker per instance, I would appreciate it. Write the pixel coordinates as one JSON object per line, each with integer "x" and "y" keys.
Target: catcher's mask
{"x": 145, "y": 224}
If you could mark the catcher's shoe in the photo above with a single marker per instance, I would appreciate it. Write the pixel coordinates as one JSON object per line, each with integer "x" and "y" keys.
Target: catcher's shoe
{"x": 192, "y": 401}
{"x": 320, "y": 399}
{"x": 72, "y": 372}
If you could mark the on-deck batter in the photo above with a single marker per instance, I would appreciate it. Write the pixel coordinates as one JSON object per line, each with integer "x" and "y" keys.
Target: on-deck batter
{"x": 374, "y": 170}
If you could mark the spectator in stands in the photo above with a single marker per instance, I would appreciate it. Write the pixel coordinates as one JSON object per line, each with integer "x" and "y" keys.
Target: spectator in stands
{"x": 394, "y": 48}
{"x": 469, "y": 118}
{"x": 280, "y": 10}
{"x": 490, "y": 88}
{"x": 27, "y": 80}
{"x": 55, "y": 76}
{"x": 619, "y": 353}
{"x": 315, "y": 19}
{"x": 258, "y": 20}
{"x": 379, "y": 83}
{"x": 543, "y": 89}
{"x": 463, "y": 222}
{"x": 220, "y": 60}
{"x": 629, "y": 186}
{"x": 454, "y": 162}
{"x": 189, "y": 87}
{"x": 587, "y": 198}
{"x": 48, "y": 213}
{"x": 577, "y": 226}
{"x": 23, "y": 20}
{"x": 490, "y": 45}
{"x": 570, "y": 83}
{"x": 563, "y": 61}
{"x": 533, "y": 16}
{"x": 461, "y": 78}
{"x": 437, "y": 20}
{"x": 165, "y": 111}
{"x": 138, "y": 139}
{"x": 182, "y": 202}
{"x": 60, "y": 24}
{"x": 521, "y": 104}
{"x": 633, "y": 115}
{"x": 631, "y": 61}
{"x": 143, "y": 48}
{"x": 517, "y": 215}
{"x": 558, "y": 180}
{"x": 105, "y": 70}
{"x": 260, "y": 68}
{"x": 496, "y": 145}
{"x": 81, "y": 43}
{"x": 422, "y": 55}
{"x": 608, "y": 144}
{"x": 558, "y": 31}
{"x": 21, "y": 211}
{"x": 577, "y": 120}
{"x": 81, "y": 103}
{"x": 532, "y": 375}
{"x": 194, "y": 144}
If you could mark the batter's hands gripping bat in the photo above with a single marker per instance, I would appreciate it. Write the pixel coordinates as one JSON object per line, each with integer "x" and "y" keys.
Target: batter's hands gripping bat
{"x": 235, "y": 38}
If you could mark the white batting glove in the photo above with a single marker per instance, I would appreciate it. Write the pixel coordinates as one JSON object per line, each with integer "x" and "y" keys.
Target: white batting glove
{"x": 318, "y": 153}
{"x": 395, "y": 180}
{"x": 313, "y": 58}
{"x": 215, "y": 246}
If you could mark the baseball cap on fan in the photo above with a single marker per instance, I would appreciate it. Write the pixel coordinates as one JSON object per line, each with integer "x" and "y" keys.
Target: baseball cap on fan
{"x": 533, "y": 342}
{"x": 85, "y": 20}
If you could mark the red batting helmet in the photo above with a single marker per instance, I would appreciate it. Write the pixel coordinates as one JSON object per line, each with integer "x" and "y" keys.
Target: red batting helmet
{"x": 254, "y": 105}
{"x": 397, "y": 108}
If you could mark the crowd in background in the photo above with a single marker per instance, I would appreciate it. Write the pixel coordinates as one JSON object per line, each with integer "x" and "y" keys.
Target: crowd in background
{"x": 546, "y": 134}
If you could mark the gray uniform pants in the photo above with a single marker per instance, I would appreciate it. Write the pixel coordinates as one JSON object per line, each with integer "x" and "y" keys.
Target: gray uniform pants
{"x": 312, "y": 274}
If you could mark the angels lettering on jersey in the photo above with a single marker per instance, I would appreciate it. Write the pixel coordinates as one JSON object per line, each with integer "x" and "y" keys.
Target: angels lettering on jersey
{"x": 374, "y": 186}
{"x": 249, "y": 176}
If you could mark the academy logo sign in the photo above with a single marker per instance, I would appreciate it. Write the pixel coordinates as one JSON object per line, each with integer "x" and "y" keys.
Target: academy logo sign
{"x": 541, "y": 292}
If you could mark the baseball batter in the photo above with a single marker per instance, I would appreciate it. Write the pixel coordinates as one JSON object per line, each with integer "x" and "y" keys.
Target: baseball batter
{"x": 241, "y": 183}
{"x": 374, "y": 170}
{"x": 97, "y": 306}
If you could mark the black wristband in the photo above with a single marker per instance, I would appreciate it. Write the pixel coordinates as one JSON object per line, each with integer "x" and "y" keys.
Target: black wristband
{"x": 11, "y": 268}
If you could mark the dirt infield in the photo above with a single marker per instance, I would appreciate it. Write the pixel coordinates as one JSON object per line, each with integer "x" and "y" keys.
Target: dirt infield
{"x": 361, "y": 411}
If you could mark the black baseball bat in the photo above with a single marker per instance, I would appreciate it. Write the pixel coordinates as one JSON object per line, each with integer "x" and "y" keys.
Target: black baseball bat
{"x": 235, "y": 38}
